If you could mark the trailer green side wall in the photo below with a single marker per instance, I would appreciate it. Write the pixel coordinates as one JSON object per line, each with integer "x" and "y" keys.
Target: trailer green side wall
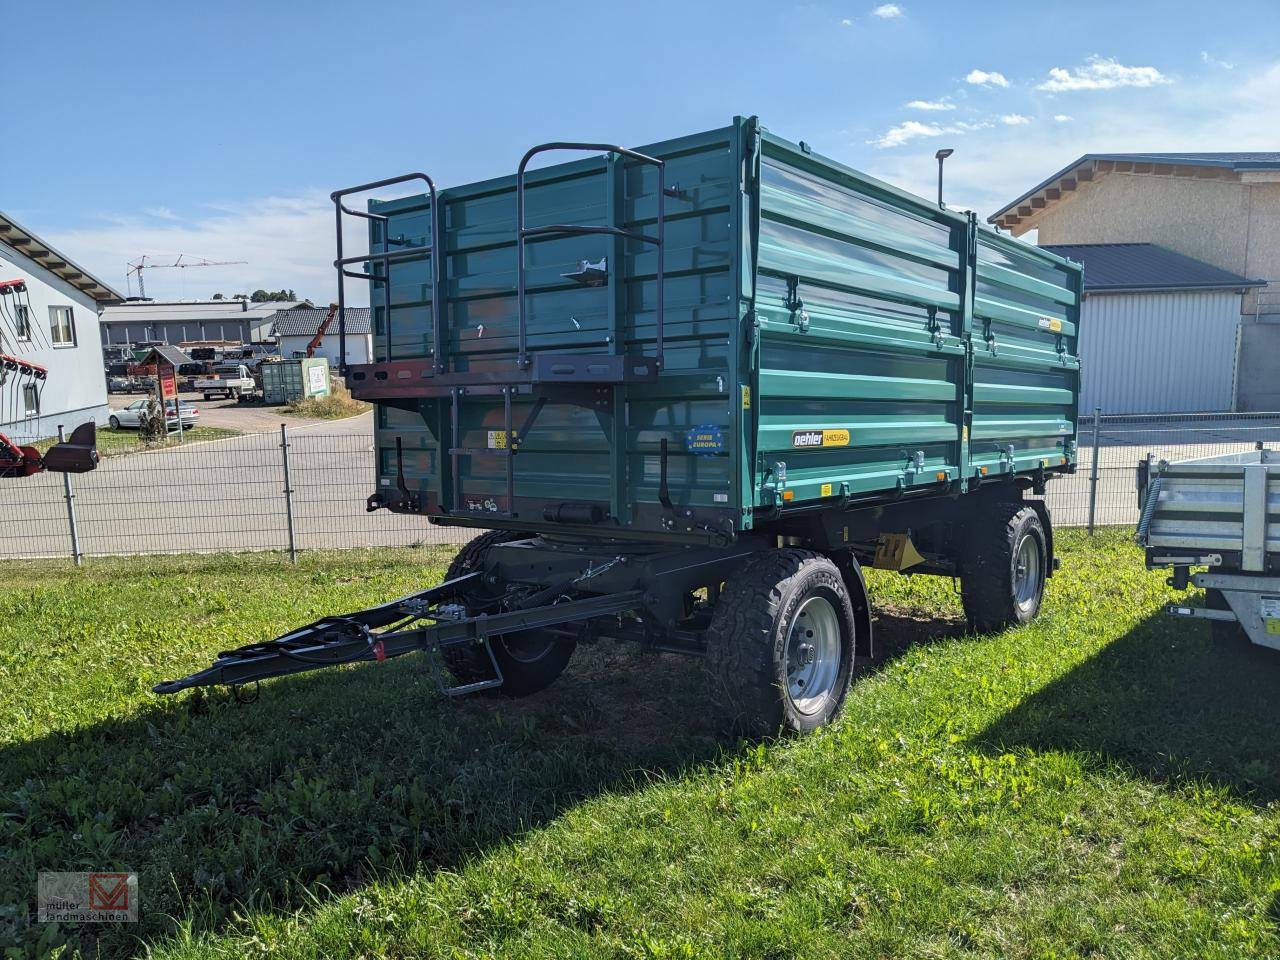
{"x": 828, "y": 339}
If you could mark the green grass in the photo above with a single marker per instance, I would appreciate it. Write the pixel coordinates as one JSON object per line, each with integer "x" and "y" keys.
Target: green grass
{"x": 114, "y": 443}
{"x": 1102, "y": 783}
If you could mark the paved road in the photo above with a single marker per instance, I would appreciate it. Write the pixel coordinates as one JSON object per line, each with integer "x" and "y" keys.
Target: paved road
{"x": 223, "y": 495}
{"x": 228, "y": 494}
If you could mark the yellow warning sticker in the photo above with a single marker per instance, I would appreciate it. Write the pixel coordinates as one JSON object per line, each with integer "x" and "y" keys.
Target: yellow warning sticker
{"x": 746, "y": 397}
{"x": 826, "y": 490}
{"x": 497, "y": 439}
{"x": 1273, "y": 625}
{"x": 820, "y": 438}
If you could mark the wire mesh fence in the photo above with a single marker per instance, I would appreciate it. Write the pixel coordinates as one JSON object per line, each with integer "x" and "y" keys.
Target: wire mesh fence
{"x": 221, "y": 496}
{"x": 233, "y": 495}
{"x": 1111, "y": 446}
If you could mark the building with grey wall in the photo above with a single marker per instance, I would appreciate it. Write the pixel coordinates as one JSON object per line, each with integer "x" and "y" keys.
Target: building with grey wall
{"x": 51, "y": 321}
{"x": 1220, "y": 208}
{"x": 1159, "y": 331}
{"x": 192, "y": 321}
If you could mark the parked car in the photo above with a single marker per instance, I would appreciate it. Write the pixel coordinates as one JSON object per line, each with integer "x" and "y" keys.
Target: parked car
{"x": 130, "y": 418}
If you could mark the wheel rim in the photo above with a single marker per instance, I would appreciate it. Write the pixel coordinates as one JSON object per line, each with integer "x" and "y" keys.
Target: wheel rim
{"x": 1027, "y": 573}
{"x": 813, "y": 655}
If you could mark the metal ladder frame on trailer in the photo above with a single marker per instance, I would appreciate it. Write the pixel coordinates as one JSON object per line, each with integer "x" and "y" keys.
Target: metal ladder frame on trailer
{"x": 546, "y": 374}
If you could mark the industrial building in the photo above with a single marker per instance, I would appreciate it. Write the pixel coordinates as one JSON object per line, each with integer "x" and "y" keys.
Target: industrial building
{"x": 1158, "y": 330}
{"x": 48, "y": 320}
{"x": 295, "y": 329}
{"x": 1221, "y": 211}
{"x": 192, "y": 321}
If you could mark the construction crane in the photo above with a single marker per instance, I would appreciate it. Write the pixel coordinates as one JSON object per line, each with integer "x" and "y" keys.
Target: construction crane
{"x": 140, "y": 264}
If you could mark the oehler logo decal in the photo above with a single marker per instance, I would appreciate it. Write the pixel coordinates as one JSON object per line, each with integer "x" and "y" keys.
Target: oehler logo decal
{"x": 820, "y": 438}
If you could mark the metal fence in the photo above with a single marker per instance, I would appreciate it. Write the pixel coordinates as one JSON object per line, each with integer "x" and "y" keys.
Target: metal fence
{"x": 301, "y": 491}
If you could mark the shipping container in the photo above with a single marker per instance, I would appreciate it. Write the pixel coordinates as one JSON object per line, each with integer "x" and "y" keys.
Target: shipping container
{"x": 288, "y": 381}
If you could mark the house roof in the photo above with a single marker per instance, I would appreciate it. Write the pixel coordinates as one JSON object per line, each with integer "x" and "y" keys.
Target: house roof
{"x": 305, "y": 323}
{"x": 1199, "y": 165}
{"x": 196, "y": 312}
{"x": 170, "y": 354}
{"x": 59, "y": 264}
{"x": 1132, "y": 267}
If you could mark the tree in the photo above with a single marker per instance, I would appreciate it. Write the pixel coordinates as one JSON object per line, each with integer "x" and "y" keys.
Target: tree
{"x": 217, "y": 296}
{"x": 272, "y": 296}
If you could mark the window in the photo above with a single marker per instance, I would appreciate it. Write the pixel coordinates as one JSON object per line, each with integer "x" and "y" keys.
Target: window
{"x": 23, "y": 323}
{"x": 62, "y": 327}
{"x": 31, "y": 400}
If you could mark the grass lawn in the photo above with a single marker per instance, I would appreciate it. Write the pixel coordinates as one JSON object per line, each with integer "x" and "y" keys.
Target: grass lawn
{"x": 112, "y": 443}
{"x": 1104, "y": 783}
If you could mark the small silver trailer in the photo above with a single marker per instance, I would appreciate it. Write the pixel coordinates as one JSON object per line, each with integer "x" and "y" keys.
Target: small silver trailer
{"x": 1216, "y": 513}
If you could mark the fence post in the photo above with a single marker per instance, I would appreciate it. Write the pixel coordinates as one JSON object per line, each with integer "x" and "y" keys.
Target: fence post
{"x": 1093, "y": 470}
{"x": 288, "y": 492}
{"x": 70, "y": 496}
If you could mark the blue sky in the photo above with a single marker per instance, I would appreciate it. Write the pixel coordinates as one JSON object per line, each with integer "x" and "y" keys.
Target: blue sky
{"x": 218, "y": 129}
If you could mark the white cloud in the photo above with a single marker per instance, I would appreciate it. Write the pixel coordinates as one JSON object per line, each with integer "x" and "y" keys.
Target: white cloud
{"x": 907, "y": 130}
{"x": 162, "y": 213}
{"x": 287, "y": 241}
{"x": 1207, "y": 57}
{"x": 984, "y": 78}
{"x": 1014, "y": 120}
{"x": 1063, "y": 117}
{"x": 847, "y": 22}
{"x": 1240, "y": 109}
{"x": 887, "y": 11}
{"x": 943, "y": 104}
{"x": 1101, "y": 73}
{"x": 913, "y": 130}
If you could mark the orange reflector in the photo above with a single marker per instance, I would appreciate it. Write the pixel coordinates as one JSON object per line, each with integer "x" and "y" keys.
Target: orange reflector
{"x": 1064, "y": 459}
{"x": 788, "y": 494}
{"x": 983, "y": 471}
{"x": 942, "y": 474}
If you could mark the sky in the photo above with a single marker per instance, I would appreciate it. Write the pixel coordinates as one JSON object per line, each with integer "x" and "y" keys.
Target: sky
{"x": 218, "y": 130}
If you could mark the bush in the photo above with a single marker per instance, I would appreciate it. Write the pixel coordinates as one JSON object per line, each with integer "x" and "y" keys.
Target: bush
{"x": 338, "y": 404}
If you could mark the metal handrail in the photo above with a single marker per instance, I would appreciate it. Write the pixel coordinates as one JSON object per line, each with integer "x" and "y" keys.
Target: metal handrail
{"x": 523, "y": 232}
{"x": 386, "y": 259}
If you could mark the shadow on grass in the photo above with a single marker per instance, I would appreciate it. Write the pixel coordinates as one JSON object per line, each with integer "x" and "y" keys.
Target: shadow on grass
{"x": 1168, "y": 702}
{"x": 327, "y": 781}
{"x": 336, "y": 778}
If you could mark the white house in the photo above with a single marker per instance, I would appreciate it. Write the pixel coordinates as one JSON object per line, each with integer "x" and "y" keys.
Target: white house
{"x": 49, "y": 319}
{"x": 294, "y": 330}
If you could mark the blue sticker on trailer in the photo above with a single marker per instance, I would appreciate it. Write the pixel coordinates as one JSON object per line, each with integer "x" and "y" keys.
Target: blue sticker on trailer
{"x": 705, "y": 440}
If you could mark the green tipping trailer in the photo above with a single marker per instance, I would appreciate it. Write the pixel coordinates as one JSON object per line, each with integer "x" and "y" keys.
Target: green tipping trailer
{"x": 705, "y": 381}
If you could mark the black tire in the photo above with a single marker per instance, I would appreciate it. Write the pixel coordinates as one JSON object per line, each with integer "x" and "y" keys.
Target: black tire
{"x": 208, "y": 397}
{"x": 114, "y": 422}
{"x": 756, "y": 635}
{"x": 530, "y": 661}
{"x": 1223, "y": 631}
{"x": 1000, "y": 584}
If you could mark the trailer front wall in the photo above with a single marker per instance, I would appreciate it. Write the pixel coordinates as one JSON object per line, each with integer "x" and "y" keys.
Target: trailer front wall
{"x": 608, "y": 453}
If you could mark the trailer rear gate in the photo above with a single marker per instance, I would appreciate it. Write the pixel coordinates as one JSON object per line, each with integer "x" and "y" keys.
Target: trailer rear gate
{"x": 823, "y": 336}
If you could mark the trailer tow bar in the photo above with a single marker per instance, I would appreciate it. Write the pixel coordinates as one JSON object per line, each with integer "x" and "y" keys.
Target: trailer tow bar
{"x": 360, "y": 636}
